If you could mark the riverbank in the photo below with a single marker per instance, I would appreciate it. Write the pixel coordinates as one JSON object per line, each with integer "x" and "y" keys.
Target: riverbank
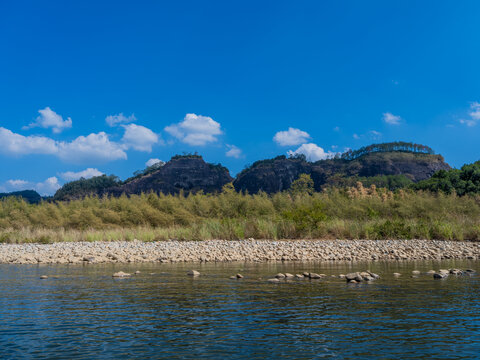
{"x": 242, "y": 250}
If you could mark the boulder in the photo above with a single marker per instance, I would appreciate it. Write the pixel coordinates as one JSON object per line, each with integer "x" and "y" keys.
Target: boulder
{"x": 121, "y": 274}
{"x": 193, "y": 273}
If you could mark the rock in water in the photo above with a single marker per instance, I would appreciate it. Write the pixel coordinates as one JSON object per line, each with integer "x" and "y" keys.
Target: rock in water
{"x": 280, "y": 276}
{"x": 415, "y": 272}
{"x": 121, "y": 274}
{"x": 439, "y": 275}
{"x": 274, "y": 280}
{"x": 288, "y": 275}
{"x": 44, "y": 277}
{"x": 397, "y": 274}
{"x": 193, "y": 273}
{"x": 239, "y": 276}
{"x": 314, "y": 276}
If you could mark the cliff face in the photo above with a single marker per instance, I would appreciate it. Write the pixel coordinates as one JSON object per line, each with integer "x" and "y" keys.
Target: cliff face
{"x": 190, "y": 174}
{"x": 271, "y": 176}
{"x": 277, "y": 174}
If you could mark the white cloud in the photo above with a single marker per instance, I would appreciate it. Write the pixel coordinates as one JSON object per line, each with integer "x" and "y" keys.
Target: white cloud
{"x": 195, "y": 130}
{"x": 312, "y": 152}
{"x": 113, "y": 120}
{"x": 356, "y": 136}
{"x": 234, "y": 152}
{"x": 139, "y": 137}
{"x": 336, "y": 128}
{"x": 474, "y": 115}
{"x": 94, "y": 147}
{"x": 47, "y": 187}
{"x": 16, "y": 144}
{"x": 50, "y": 119}
{"x": 391, "y": 119}
{"x": 291, "y": 137}
{"x": 86, "y": 174}
{"x": 375, "y": 134}
{"x": 475, "y": 110}
{"x": 152, "y": 162}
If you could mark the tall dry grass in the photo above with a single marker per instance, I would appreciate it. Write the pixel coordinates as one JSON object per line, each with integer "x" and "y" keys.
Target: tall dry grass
{"x": 353, "y": 213}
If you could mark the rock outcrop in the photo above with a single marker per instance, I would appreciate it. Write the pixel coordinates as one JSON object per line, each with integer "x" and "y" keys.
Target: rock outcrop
{"x": 182, "y": 173}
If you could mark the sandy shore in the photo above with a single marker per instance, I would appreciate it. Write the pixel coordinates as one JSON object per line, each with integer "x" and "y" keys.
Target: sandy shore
{"x": 244, "y": 250}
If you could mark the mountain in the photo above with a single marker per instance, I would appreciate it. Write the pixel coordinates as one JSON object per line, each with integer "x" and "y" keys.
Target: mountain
{"x": 29, "y": 196}
{"x": 391, "y": 165}
{"x": 187, "y": 173}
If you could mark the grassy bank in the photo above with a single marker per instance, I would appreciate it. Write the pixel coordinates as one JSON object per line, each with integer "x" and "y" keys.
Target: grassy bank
{"x": 354, "y": 213}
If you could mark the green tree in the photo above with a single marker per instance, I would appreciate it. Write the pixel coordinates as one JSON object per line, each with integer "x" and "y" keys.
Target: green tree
{"x": 303, "y": 185}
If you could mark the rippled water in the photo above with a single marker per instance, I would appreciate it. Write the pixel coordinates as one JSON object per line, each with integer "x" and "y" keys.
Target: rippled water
{"x": 82, "y": 312}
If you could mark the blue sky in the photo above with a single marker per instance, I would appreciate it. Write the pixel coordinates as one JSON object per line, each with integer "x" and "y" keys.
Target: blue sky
{"x": 104, "y": 86}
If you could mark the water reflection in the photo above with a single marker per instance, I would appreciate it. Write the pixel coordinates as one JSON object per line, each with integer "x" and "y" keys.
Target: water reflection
{"x": 81, "y": 311}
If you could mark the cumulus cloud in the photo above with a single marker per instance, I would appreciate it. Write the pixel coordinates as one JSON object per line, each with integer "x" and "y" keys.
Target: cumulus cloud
{"x": 152, "y": 162}
{"x": 291, "y": 137}
{"x": 16, "y": 144}
{"x": 86, "y": 174}
{"x": 139, "y": 137}
{"x": 474, "y": 115}
{"x": 233, "y": 151}
{"x": 45, "y": 188}
{"x": 96, "y": 147}
{"x": 50, "y": 119}
{"x": 312, "y": 152}
{"x": 195, "y": 130}
{"x": 391, "y": 119}
{"x": 114, "y": 120}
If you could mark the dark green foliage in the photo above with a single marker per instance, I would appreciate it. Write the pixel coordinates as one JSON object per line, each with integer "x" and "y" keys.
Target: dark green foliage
{"x": 30, "y": 196}
{"x": 84, "y": 187}
{"x": 303, "y": 185}
{"x": 464, "y": 181}
{"x": 388, "y": 147}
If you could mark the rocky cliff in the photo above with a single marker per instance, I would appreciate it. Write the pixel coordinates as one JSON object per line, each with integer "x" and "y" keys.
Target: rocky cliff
{"x": 277, "y": 174}
{"x": 181, "y": 173}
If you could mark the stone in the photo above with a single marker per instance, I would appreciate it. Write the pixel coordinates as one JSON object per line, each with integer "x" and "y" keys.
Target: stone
{"x": 274, "y": 280}
{"x": 431, "y": 272}
{"x": 239, "y": 276}
{"x": 233, "y": 277}
{"x": 415, "y": 272}
{"x": 137, "y": 272}
{"x": 315, "y": 276}
{"x": 193, "y": 273}
{"x": 375, "y": 276}
{"x": 306, "y": 274}
{"x": 121, "y": 274}
{"x": 88, "y": 258}
{"x": 352, "y": 281}
{"x": 341, "y": 276}
{"x": 397, "y": 274}
{"x": 44, "y": 277}
{"x": 280, "y": 276}
{"x": 299, "y": 276}
{"x": 354, "y": 276}
{"x": 288, "y": 275}
{"x": 471, "y": 271}
{"x": 439, "y": 275}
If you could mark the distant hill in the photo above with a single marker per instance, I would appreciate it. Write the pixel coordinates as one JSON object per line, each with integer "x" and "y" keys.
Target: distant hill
{"x": 390, "y": 165}
{"x": 30, "y": 196}
{"x": 187, "y": 173}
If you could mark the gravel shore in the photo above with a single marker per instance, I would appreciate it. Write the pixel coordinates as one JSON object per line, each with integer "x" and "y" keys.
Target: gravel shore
{"x": 243, "y": 250}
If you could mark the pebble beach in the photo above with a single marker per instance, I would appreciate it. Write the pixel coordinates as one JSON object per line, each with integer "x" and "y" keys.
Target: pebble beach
{"x": 241, "y": 250}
